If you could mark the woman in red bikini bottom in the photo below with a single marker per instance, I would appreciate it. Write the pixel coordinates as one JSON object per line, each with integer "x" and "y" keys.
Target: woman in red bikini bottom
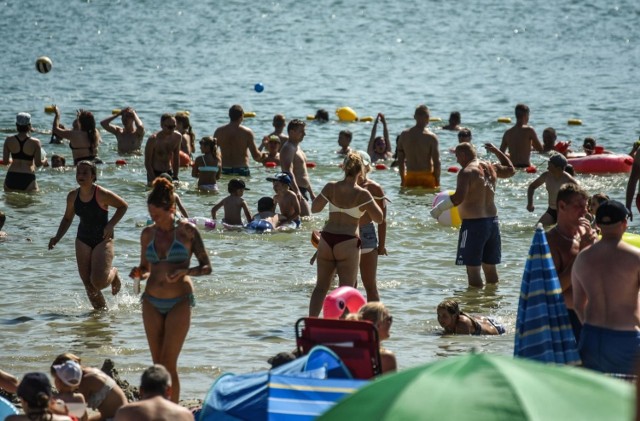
{"x": 339, "y": 247}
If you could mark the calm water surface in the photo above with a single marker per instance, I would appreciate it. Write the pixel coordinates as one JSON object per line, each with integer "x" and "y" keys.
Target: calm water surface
{"x": 572, "y": 60}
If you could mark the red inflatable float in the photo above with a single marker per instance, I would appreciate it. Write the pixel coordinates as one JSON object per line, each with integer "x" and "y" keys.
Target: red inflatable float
{"x": 602, "y": 164}
{"x": 185, "y": 160}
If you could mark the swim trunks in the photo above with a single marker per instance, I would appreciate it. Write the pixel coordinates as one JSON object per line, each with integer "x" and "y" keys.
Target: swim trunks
{"x": 553, "y": 213}
{"x": 420, "y": 179}
{"x": 501, "y": 330}
{"x": 576, "y": 326}
{"x": 608, "y": 350}
{"x": 479, "y": 242}
{"x": 305, "y": 193}
{"x": 369, "y": 238}
{"x": 18, "y": 180}
{"x": 243, "y": 171}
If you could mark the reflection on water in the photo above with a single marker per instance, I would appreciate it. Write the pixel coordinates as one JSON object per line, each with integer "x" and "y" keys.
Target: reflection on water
{"x": 94, "y": 330}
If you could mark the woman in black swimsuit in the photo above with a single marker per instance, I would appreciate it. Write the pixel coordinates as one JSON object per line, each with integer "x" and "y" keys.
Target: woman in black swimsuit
{"x": 83, "y": 138}
{"x": 26, "y": 153}
{"x": 94, "y": 242}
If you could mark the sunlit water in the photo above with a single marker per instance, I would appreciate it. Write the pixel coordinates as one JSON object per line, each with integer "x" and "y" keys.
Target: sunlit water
{"x": 565, "y": 61}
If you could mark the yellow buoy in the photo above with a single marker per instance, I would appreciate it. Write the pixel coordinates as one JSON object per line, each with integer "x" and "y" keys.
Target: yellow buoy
{"x": 434, "y": 119}
{"x": 574, "y": 122}
{"x": 49, "y": 109}
{"x": 311, "y": 117}
{"x": 367, "y": 119}
{"x": 346, "y": 114}
{"x": 249, "y": 114}
{"x": 115, "y": 111}
{"x": 504, "y": 119}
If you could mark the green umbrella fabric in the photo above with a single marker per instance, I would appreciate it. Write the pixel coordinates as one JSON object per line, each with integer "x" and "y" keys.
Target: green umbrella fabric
{"x": 489, "y": 387}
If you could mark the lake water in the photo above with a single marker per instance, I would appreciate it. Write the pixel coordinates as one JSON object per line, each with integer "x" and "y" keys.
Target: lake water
{"x": 569, "y": 60}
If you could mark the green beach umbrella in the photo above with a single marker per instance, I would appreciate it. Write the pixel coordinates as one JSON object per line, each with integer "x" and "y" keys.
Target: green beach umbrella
{"x": 489, "y": 387}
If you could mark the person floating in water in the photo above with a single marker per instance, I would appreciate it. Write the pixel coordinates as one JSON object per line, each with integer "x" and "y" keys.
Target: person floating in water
{"x": 456, "y": 321}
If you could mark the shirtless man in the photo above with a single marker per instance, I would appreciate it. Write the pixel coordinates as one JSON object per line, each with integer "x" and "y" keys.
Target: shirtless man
{"x": 162, "y": 151}
{"x": 418, "y": 154}
{"x": 606, "y": 282}
{"x": 479, "y": 245}
{"x": 454, "y": 122}
{"x": 234, "y": 140}
{"x": 130, "y": 136}
{"x": 571, "y": 234}
{"x": 154, "y": 403}
{"x": 294, "y": 161}
{"x": 519, "y": 139}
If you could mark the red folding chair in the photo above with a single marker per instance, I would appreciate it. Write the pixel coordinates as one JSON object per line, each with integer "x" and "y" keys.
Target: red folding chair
{"x": 355, "y": 342}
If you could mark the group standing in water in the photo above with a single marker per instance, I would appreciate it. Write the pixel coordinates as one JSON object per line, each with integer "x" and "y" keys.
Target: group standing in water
{"x": 347, "y": 244}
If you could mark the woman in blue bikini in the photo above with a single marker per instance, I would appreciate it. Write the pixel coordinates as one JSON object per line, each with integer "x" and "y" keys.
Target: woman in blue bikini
{"x": 167, "y": 247}
{"x": 339, "y": 247}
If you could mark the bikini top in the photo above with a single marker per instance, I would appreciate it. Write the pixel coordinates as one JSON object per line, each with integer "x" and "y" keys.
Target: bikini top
{"x": 208, "y": 168}
{"x": 353, "y": 212}
{"x": 22, "y": 154}
{"x": 177, "y": 253}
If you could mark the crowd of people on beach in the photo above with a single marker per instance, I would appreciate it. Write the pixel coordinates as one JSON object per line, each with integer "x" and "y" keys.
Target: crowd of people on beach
{"x": 601, "y": 297}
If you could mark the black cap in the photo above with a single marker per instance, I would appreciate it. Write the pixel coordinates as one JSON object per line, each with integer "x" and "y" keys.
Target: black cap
{"x": 236, "y": 184}
{"x": 611, "y": 212}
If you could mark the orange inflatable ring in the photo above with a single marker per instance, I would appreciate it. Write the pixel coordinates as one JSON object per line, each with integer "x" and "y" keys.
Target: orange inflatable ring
{"x": 185, "y": 160}
{"x": 341, "y": 299}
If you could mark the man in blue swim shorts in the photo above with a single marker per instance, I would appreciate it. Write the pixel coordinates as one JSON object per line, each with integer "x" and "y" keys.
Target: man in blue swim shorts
{"x": 479, "y": 247}
{"x": 605, "y": 295}
{"x": 234, "y": 141}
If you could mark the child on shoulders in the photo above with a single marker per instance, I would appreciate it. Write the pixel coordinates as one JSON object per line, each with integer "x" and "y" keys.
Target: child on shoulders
{"x": 233, "y": 204}
{"x": 553, "y": 179}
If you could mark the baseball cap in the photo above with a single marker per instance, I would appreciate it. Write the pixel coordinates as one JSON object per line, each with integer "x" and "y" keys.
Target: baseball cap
{"x": 236, "y": 184}
{"x": 611, "y": 212}
{"x": 23, "y": 119}
{"x": 32, "y": 385}
{"x": 281, "y": 177}
{"x": 70, "y": 373}
{"x": 558, "y": 160}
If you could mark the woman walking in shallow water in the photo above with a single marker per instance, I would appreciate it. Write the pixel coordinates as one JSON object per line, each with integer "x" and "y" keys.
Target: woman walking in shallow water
{"x": 167, "y": 247}
{"x": 94, "y": 241}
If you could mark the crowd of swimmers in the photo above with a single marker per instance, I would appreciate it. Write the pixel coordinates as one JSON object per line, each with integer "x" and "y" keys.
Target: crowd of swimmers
{"x": 354, "y": 235}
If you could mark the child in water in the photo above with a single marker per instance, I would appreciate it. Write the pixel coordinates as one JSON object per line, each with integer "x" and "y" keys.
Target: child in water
{"x": 456, "y": 321}
{"x": 233, "y": 204}
{"x": 206, "y": 168}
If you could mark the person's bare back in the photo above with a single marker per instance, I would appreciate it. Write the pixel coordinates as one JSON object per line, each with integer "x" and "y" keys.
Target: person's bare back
{"x": 234, "y": 140}
{"x": 519, "y": 139}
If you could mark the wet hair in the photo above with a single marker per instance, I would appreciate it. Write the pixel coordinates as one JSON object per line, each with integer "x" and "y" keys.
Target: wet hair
{"x": 569, "y": 170}
{"x": 266, "y": 204}
{"x": 568, "y": 190}
{"x": 162, "y": 195}
{"x": 88, "y": 124}
{"x": 23, "y": 128}
{"x": 521, "y": 110}
{"x": 600, "y": 198}
{"x": 183, "y": 119}
{"x": 464, "y": 133}
{"x": 279, "y": 121}
{"x": 455, "y": 116}
{"x": 353, "y": 164}
{"x": 347, "y": 134}
{"x": 589, "y": 143}
{"x": 63, "y": 161}
{"x": 166, "y": 116}
{"x": 551, "y": 131}
{"x": 375, "y": 312}
{"x": 451, "y": 306}
{"x": 92, "y": 165}
{"x": 422, "y": 110}
{"x": 155, "y": 381}
{"x": 295, "y": 123}
{"x": 3, "y": 219}
{"x": 322, "y": 115}
{"x": 236, "y": 112}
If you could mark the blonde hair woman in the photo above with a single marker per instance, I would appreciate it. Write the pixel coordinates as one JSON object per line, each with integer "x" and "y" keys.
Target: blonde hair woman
{"x": 339, "y": 247}
{"x": 379, "y": 315}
